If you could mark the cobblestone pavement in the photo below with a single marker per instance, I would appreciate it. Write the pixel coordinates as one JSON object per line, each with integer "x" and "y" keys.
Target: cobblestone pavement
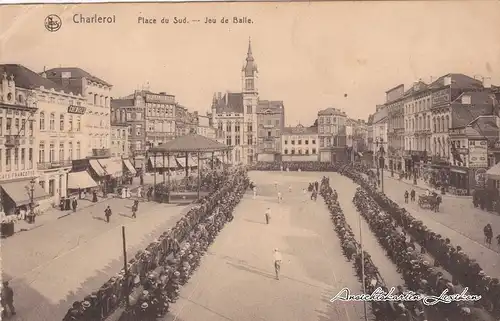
{"x": 457, "y": 220}
{"x": 54, "y": 265}
{"x": 236, "y": 278}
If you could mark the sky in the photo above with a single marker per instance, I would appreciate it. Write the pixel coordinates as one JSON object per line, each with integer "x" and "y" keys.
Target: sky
{"x": 309, "y": 54}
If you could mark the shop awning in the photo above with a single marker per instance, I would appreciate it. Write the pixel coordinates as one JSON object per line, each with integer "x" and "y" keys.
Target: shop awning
{"x": 191, "y": 162}
{"x": 97, "y": 167}
{"x": 494, "y": 172}
{"x": 129, "y": 166}
{"x": 112, "y": 167}
{"x": 20, "y": 192}
{"x": 82, "y": 179}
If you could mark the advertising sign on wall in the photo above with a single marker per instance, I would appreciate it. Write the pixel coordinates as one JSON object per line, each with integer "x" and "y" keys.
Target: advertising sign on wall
{"x": 441, "y": 97}
{"x": 478, "y": 153}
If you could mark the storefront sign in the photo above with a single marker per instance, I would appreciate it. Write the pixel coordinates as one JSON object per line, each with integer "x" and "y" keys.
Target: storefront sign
{"x": 15, "y": 175}
{"x": 478, "y": 153}
{"x": 441, "y": 97}
{"x": 159, "y": 99}
{"x": 480, "y": 177}
{"x": 80, "y": 110}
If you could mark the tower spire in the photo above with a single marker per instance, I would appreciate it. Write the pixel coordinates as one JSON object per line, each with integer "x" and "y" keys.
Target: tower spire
{"x": 250, "y": 68}
{"x": 249, "y": 52}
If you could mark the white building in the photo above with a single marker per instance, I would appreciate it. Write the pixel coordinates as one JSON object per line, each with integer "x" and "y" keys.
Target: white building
{"x": 300, "y": 143}
{"x": 98, "y": 107}
{"x": 204, "y": 128}
{"x": 235, "y": 115}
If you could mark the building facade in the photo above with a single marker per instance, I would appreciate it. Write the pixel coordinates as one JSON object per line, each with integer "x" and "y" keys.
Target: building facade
{"x": 18, "y": 172}
{"x": 379, "y": 127}
{"x": 235, "y": 114}
{"x": 270, "y": 124}
{"x": 395, "y": 127}
{"x": 205, "y": 127}
{"x": 332, "y": 134}
{"x": 97, "y": 108}
{"x": 299, "y": 143}
{"x": 119, "y": 140}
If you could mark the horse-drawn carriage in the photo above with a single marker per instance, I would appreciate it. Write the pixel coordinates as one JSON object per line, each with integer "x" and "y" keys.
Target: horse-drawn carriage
{"x": 429, "y": 201}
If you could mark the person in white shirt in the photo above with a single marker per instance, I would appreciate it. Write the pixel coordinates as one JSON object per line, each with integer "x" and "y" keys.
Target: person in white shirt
{"x": 290, "y": 188}
{"x": 277, "y": 263}
{"x": 268, "y": 215}
{"x": 280, "y": 197}
{"x": 254, "y": 192}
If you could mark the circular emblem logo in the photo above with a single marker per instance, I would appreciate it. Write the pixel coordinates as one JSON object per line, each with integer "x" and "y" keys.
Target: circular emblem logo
{"x": 53, "y": 23}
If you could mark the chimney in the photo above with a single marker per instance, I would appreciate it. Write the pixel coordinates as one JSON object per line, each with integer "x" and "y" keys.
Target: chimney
{"x": 466, "y": 99}
{"x": 447, "y": 80}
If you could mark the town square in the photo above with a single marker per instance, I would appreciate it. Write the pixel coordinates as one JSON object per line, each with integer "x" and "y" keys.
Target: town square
{"x": 249, "y": 163}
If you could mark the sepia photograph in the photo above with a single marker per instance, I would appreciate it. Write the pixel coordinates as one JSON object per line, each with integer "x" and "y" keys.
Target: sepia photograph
{"x": 250, "y": 161}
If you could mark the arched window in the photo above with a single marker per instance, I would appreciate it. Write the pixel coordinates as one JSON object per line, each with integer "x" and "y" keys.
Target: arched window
{"x": 42, "y": 121}
{"x": 448, "y": 125}
{"x": 52, "y": 121}
{"x": 442, "y": 124}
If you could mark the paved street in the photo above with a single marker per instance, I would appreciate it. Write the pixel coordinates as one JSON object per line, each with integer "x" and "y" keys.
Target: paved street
{"x": 458, "y": 220}
{"x": 236, "y": 279}
{"x": 60, "y": 262}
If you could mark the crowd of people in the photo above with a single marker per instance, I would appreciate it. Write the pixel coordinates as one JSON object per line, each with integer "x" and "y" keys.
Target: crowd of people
{"x": 292, "y": 166}
{"x": 154, "y": 275}
{"x": 385, "y": 217}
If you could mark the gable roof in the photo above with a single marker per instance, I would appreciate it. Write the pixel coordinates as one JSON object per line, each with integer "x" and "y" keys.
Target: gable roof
{"x": 332, "y": 111}
{"x": 300, "y": 130}
{"x": 462, "y": 115}
{"x": 272, "y": 105}
{"x": 457, "y": 81}
{"x": 75, "y": 73}
{"x": 28, "y": 79}
{"x": 417, "y": 87}
{"x": 190, "y": 143}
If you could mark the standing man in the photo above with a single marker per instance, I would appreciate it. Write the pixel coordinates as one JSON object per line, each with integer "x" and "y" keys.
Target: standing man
{"x": 280, "y": 197}
{"x": 74, "y": 204}
{"x": 7, "y": 299}
{"x": 268, "y": 215}
{"x": 134, "y": 208}
{"x": 107, "y": 213}
{"x": 254, "y": 192}
{"x": 412, "y": 195}
{"x": 277, "y": 263}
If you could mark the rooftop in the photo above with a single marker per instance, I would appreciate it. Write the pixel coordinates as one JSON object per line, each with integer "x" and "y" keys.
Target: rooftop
{"x": 75, "y": 74}
{"x": 300, "y": 130}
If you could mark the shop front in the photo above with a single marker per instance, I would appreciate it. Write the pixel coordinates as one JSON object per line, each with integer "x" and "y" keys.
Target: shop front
{"x": 20, "y": 190}
{"x": 81, "y": 185}
{"x": 129, "y": 172}
{"x": 96, "y": 173}
{"x": 113, "y": 168}
{"x": 460, "y": 180}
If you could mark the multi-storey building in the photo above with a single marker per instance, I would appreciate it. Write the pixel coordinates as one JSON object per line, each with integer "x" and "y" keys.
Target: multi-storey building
{"x": 59, "y": 122}
{"x": 417, "y": 124}
{"x": 270, "y": 122}
{"x": 119, "y": 140}
{"x": 332, "y": 134}
{"x": 379, "y": 125}
{"x": 204, "y": 127}
{"x": 17, "y": 142}
{"x": 97, "y": 113}
{"x": 395, "y": 127}
{"x": 234, "y": 114}
{"x": 299, "y": 143}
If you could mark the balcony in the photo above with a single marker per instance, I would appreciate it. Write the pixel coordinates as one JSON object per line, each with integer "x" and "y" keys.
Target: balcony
{"x": 53, "y": 165}
{"x": 11, "y": 141}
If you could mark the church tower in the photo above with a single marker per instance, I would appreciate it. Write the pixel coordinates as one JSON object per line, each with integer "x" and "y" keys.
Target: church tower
{"x": 249, "y": 82}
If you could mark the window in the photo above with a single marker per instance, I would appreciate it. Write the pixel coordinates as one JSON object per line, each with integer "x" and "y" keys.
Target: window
{"x": 313, "y": 141}
{"x": 307, "y": 151}
{"x": 70, "y": 123}
{"x": 70, "y": 150}
{"x": 41, "y": 152}
{"x": 237, "y": 127}
{"x": 237, "y": 140}
{"x": 16, "y": 159}
{"x": 61, "y": 122}
{"x": 8, "y": 127}
{"x": 250, "y": 139}
{"x": 52, "y": 122}
{"x": 286, "y": 142}
{"x": 314, "y": 150}
{"x": 78, "y": 123}
{"x": 277, "y": 122}
{"x": 8, "y": 159}
{"x": 228, "y": 126}
{"x": 249, "y": 84}
{"x": 293, "y": 142}
{"x": 61, "y": 151}
{"x": 300, "y": 151}
{"x": 286, "y": 151}
{"x": 306, "y": 142}
{"x": 78, "y": 156}
{"x": 269, "y": 133}
{"x": 30, "y": 158}
{"x": 228, "y": 140}
{"x": 249, "y": 127}
{"x": 16, "y": 126}
{"x": 220, "y": 127}
{"x": 138, "y": 130}
{"x": 300, "y": 142}
{"x": 23, "y": 158}
{"x": 52, "y": 153}
{"x": 293, "y": 151}
{"x": 321, "y": 142}
{"x": 249, "y": 109}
